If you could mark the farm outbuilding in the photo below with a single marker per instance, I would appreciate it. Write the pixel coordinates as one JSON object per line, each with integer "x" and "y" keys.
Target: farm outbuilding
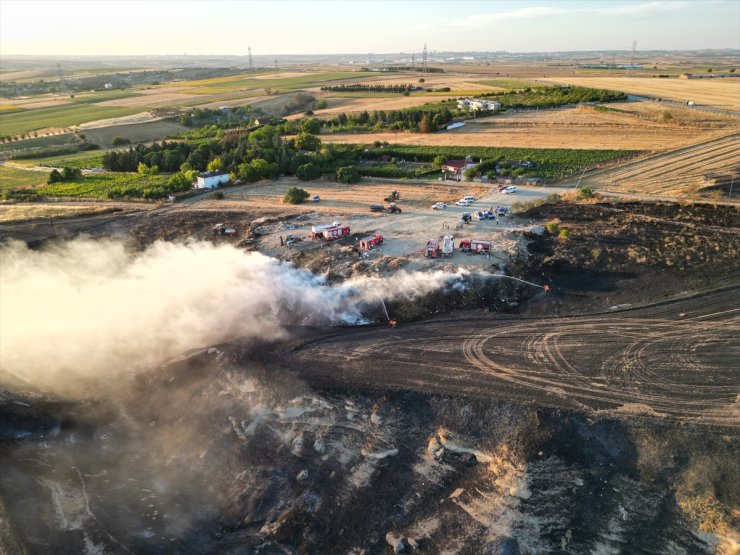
{"x": 211, "y": 180}
{"x": 454, "y": 169}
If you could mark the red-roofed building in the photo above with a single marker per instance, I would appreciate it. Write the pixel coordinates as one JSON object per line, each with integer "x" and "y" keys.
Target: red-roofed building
{"x": 455, "y": 169}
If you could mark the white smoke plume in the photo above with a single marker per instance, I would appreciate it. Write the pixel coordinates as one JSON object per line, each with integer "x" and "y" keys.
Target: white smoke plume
{"x": 93, "y": 310}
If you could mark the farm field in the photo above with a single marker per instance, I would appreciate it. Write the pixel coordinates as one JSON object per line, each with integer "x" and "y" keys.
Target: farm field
{"x": 82, "y": 160}
{"x": 38, "y": 142}
{"x": 577, "y": 127}
{"x": 20, "y": 212}
{"x": 683, "y": 172}
{"x": 16, "y": 178}
{"x": 59, "y": 117}
{"x": 93, "y": 186}
{"x": 246, "y": 82}
{"x": 716, "y": 93}
{"x": 134, "y": 132}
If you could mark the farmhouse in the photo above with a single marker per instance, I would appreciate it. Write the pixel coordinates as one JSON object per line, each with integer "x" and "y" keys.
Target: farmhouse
{"x": 211, "y": 180}
{"x": 477, "y": 104}
{"x": 454, "y": 169}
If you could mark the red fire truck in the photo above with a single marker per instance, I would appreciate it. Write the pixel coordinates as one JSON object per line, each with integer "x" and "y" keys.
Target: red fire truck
{"x": 368, "y": 243}
{"x": 431, "y": 250}
{"x": 477, "y": 246}
{"x": 335, "y": 232}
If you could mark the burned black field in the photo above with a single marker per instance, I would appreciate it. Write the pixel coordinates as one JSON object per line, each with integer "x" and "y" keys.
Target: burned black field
{"x": 600, "y": 416}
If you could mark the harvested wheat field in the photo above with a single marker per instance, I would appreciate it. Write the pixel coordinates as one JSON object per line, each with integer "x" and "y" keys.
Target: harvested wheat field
{"x": 581, "y": 127}
{"x": 153, "y": 98}
{"x": 683, "y": 172}
{"x": 677, "y": 115}
{"x": 717, "y": 93}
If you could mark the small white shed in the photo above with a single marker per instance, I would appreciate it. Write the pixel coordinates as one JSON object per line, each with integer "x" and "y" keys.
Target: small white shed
{"x": 211, "y": 180}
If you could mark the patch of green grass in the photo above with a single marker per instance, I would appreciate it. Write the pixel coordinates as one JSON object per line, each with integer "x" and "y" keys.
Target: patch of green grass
{"x": 10, "y": 108}
{"x": 82, "y": 160}
{"x": 39, "y": 142}
{"x": 512, "y": 84}
{"x": 61, "y": 116}
{"x": 14, "y": 178}
{"x": 100, "y": 185}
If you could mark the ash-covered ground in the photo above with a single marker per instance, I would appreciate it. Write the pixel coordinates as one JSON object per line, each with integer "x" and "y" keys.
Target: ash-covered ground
{"x": 600, "y": 417}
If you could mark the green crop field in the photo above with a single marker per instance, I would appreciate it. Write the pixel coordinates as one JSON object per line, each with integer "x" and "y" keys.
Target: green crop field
{"x": 82, "y": 160}
{"x": 248, "y": 82}
{"x": 39, "y": 142}
{"x": 96, "y": 186}
{"x": 14, "y": 178}
{"x": 102, "y": 96}
{"x": 18, "y": 123}
{"x": 547, "y": 162}
{"x": 101, "y": 185}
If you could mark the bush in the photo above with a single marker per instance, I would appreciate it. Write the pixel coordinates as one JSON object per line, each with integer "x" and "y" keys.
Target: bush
{"x": 54, "y": 177}
{"x": 552, "y": 198}
{"x": 294, "y": 195}
{"x": 179, "y": 182}
{"x": 119, "y": 141}
{"x": 311, "y": 126}
{"x": 564, "y": 233}
{"x": 348, "y": 174}
{"x": 307, "y": 141}
{"x": 307, "y": 172}
{"x": 552, "y": 228}
{"x": 217, "y": 195}
{"x": 586, "y": 192}
{"x": 321, "y": 104}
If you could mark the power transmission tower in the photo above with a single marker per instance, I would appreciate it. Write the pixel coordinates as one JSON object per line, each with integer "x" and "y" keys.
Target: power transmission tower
{"x": 413, "y": 61}
{"x": 632, "y": 59}
{"x": 276, "y": 67}
{"x": 61, "y": 78}
{"x": 424, "y": 59}
{"x": 250, "y": 67}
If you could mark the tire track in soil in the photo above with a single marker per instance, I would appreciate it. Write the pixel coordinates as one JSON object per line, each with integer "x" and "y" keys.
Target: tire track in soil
{"x": 677, "y": 360}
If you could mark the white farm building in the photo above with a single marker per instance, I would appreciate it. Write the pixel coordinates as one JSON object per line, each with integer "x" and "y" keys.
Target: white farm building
{"x": 477, "y": 105}
{"x": 211, "y": 180}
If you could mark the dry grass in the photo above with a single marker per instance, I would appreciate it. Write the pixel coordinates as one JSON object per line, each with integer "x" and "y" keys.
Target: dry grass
{"x": 20, "y": 212}
{"x": 681, "y": 172}
{"x": 581, "y": 127}
{"x": 718, "y": 93}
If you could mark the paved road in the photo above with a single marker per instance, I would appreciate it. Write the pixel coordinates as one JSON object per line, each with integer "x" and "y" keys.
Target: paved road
{"x": 678, "y": 360}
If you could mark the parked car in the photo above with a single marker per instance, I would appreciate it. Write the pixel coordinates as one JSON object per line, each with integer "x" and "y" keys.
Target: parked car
{"x": 480, "y": 215}
{"x": 509, "y": 190}
{"x": 439, "y": 206}
{"x": 501, "y": 210}
{"x": 464, "y": 202}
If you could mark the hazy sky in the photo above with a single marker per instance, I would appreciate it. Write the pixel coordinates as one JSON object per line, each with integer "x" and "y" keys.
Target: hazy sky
{"x": 105, "y": 27}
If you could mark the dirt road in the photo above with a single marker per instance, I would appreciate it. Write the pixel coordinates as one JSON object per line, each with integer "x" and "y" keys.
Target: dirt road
{"x": 675, "y": 360}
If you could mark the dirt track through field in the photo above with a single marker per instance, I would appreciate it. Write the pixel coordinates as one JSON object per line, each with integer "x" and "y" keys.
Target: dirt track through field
{"x": 677, "y": 360}
{"x": 678, "y": 172}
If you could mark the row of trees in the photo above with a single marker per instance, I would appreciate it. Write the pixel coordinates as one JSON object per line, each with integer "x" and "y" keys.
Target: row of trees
{"x": 427, "y": 118}
{"x": 359, "y": 87}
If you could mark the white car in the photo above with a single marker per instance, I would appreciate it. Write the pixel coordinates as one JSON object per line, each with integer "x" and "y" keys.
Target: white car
{"x": 509, "y": 190}
{"x": 439, "y": 206}
{"x": 464, "y": 202}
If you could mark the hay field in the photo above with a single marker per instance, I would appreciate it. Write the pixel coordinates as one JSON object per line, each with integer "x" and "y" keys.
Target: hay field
{"x": 682, "y": 172}
{"x": 247, "y": 82}
{"x": 135, "y": 132}
{"x": 152, "y": 98}
{"x": 717, "y": 93}
{"x": 580, "y": 127}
